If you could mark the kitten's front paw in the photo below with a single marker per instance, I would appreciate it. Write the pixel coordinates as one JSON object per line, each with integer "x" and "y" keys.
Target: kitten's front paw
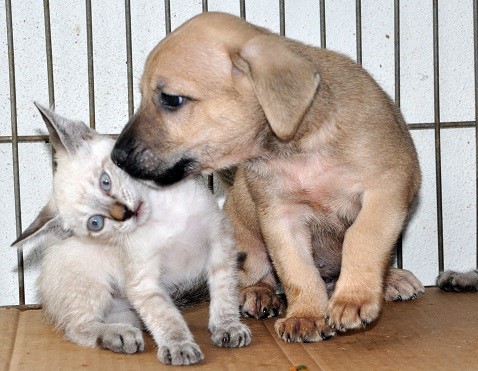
{"x": 401, "y": 284}
{"x": 459, "y": 282}
{"x": 180, "y": 353}
{"x": 234, "y": 336}
{"x": 121, "y": 338}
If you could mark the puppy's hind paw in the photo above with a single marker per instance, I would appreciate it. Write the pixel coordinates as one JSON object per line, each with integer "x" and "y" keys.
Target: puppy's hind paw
{"x": 260, "y": 301}
{"x": 401, "y": 285}
{"x": 180, "y": 353}
{"x": 233, "y": 336}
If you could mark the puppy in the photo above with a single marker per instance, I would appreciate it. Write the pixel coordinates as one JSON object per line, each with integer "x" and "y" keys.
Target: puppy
{"x": 328, "y": 170}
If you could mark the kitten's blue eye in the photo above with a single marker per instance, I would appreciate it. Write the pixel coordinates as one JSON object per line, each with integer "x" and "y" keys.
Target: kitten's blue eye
{"x": 105, "y": 182}
{"x": 96, "y": 223}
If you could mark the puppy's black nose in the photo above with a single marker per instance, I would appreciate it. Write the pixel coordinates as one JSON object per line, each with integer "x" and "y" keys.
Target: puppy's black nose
{"x": 119, "y": 156}
{"x": 124, "y": 145}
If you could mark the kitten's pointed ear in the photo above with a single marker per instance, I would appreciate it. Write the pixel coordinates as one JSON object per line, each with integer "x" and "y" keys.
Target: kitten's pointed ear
{"x": 65, "y": 135}
{"x": 45, "y": 227}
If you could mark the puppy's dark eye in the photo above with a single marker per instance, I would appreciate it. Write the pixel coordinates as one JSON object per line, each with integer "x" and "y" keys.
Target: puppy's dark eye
{"x": 171, "y": 102}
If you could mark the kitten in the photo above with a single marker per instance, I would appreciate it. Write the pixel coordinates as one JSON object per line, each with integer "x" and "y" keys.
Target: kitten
{"x": 115, "y": 248}
{"x": 457, "y": 281}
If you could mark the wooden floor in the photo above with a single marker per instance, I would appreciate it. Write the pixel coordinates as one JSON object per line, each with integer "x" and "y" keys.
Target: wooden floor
{"x": 438, "y": 331}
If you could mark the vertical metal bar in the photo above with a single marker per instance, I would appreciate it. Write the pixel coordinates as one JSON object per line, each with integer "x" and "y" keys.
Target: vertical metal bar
{"x": 242, "y": 7}
{"x": 129, "y": 58}
{"x": 323, "y": 38}
{"x": 49, "y": 53}
{"x": 210, "y": 177}
{"x": 436, "y": 88}
{"x": 475, "y": 41}
{"x": 397, "y": 50}
{"x": 16, "y": 172}
{"x": 91, "y": 75}
{"x": 282, "y": 17}
{"x": 396, "y": 18}
{"x": 167, "y": 15}
{"x": 358, "y": 29}
{"x": 49, "y": 63}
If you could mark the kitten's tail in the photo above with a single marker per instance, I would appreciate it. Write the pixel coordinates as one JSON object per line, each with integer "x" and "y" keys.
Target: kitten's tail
{"x": 192, "y": 295}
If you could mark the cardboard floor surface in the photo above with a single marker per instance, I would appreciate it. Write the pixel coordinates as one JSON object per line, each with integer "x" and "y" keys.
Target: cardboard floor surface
{"x": 439, "y": 331}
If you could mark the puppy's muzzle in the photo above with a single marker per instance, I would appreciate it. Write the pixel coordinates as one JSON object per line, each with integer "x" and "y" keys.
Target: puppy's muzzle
{"x": 140, "y": 162}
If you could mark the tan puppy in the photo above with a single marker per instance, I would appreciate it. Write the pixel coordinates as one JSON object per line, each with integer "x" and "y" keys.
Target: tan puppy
{"x": 329, "y": 168}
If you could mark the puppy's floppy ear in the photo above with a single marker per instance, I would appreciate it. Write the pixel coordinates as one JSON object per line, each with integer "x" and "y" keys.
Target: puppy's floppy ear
{"x": 284, "y": 82}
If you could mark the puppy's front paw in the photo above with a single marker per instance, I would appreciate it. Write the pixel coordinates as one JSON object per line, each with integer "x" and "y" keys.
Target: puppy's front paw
{"x": 303, "y": 329}
{"x": 401, "y": 284}
{"x": 233, "y": 336}
{"x": 180, "y": 353}
{"x": 260, "y": 301}
{"x": 121, "y": 338}
{"x": 350, "y": 310}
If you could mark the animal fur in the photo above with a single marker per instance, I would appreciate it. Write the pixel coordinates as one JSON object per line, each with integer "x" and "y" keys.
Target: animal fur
{"x": 119, "y": 253}
{"x": 327, "y": 170}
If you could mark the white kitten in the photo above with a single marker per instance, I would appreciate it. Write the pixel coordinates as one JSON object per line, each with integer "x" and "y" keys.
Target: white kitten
{"x": 110, "y": 241}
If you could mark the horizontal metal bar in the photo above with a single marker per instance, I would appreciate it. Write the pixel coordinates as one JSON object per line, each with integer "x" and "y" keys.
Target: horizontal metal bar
{"x": 25, "y": 138}
{"x": 34, "y": 138}
{"x": 412, "y": 126}
{"x": 443, "y": 125}
{"x": 22, "y": 307}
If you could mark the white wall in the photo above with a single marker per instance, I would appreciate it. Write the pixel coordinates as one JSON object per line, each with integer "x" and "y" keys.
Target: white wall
{"x": 68, "y": 23}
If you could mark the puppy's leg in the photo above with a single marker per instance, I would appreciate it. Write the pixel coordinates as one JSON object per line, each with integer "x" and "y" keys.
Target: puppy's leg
{"x": 224, "y": 324}
{"x": 357, "y": 298}
{"x": 401, "y": 284}
{"x": 288, "y": 238}
{"x": 258, "y": 298}
{"x": 257, "y": 282}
